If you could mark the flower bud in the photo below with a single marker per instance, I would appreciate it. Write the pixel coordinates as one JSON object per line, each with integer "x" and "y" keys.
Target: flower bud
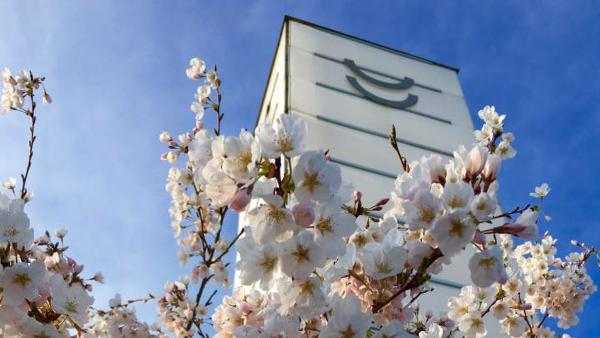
{"x": 10, "y": 183}
{"x": 357, "y": 196}
{"x": 185, "y": 139}
{"x": 98, "y": 277}
{"x": 525, "y": 227}
{"x": 165, "y": 137}
{"x": 479, "y": 238}
{"x": 115, "y": 301}
{"x": 304, "y": 214}
{"x": 172, "y": 157}
{"x": 475, "y": 161}
{"x": 240, "y": 200}
{"x": 46, "y": 98}
{"x": 492, "y": 167}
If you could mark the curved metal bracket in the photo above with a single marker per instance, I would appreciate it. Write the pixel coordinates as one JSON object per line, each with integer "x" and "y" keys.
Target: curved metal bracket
{"x": 406, "y": 83}
{"x": 411, "y": 100}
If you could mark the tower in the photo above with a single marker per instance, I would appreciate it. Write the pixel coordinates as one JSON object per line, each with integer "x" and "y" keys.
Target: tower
{"x": 350, "y": 92}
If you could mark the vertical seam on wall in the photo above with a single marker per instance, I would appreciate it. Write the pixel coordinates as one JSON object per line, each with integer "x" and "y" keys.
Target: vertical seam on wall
{"x": 287, "y": 66}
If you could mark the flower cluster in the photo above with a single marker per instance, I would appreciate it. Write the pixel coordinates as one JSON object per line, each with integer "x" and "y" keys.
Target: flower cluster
{"x": 120, "y": 321}
{"x": 314, "y": 260}
{"x": 43, "y": 292}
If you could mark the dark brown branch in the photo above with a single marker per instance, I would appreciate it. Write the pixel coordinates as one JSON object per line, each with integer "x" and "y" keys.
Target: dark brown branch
{"x": 418, "y": 279}
{"x": 394, "y": 142}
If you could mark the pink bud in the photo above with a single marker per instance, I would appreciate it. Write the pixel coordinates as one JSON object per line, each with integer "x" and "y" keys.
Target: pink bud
{"x": 199, "y": 126}
{"x": 245, "y": 307}
{"x": 240, "y": 200}
{"x": 357, "y": 196}
{"x": 304, "y": 215}
{"x": 492, "y": 167}
{"x": 479, "y": 238}
{"x": 525, "y": 232}
{"x": 475, "y": 161}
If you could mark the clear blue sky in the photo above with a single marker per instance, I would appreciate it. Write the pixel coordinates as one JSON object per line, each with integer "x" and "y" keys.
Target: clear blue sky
{"x": 115, "y": 70}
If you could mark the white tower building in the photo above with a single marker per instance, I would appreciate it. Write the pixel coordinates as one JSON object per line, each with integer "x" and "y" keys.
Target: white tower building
{"x": 350, "y": 92}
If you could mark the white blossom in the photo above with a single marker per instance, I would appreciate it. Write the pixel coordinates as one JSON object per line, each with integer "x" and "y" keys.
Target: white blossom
{"x": 284, "y": 137}
{"x": 541, "y": 191}
{"x": 347, "y": 320}
{"x": 316, "y": 178}
{"x": 453, "y": 231}
{"x": 487, "y": 267}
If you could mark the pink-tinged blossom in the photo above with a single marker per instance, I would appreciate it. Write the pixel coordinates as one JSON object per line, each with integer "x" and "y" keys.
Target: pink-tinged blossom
{"x": 525, "y": 227}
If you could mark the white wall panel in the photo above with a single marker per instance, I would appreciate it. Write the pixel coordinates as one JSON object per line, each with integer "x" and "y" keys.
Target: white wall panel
{"x": 313, "y": 39}
{"x": 349, "y": 145}
{"x": 308, "y": 98}
{"x": 319, "y": 71}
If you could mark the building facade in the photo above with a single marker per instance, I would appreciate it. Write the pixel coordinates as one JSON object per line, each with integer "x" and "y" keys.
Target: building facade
{"x": 350, "y": 92}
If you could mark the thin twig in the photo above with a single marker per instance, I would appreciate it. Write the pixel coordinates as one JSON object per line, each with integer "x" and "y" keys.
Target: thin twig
{"x": 394, "y": 142}
{"x": 32, "y": 138}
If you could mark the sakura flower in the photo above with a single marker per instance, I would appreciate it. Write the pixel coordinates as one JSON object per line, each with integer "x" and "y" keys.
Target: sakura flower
{"x": 472, "y": 326}
{"x": 348, "y": 320}
{"x": 381, "y": 260}
{"x": 239, "y": 154}
{"x": 284, "y": 137}
{"x": 330, "y": 227}
{"x": 220, "y": 188}
{"x": 270, "y": 220}
{"x": 22, "y": 282}
{"x": 417, "y": 251}
{"x": 485, "y": 135}
{"x": 71, "y": 300}
{"x": 457, "y": 195}
{"x": 500, "y": 310}
{"x": 14, "y": 225}
{"x": 541, "y": 191}
{"x": 461, "y": 306}
{"x": 434, "y": 331}
{"x": 301, "y": 255}
{"x": 514, "y": 326}
{"x": 489, "y": 115}
{"x": 10, "y": 183}
{"x": 422, "y": 211}
{"x": 304, "y": 298}
{"x": 453, "y": 231}
{"x": 213, "y": 79}
{"x": 487, "y": 267}
{"x": 316, "y": 178}
{"x": 257, "y": 262}
{"x": 200, "y": 149}
{"x": 196, "y": 70}
{"x": 483, "y": 205}
{"x": 505, "y": 150}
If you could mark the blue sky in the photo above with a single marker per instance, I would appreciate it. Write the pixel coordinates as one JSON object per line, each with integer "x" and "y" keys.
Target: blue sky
{"x": 115, "y": 70}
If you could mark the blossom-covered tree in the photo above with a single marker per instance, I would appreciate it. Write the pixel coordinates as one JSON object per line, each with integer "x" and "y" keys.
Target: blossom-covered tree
{"x": 314, "y": 261}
